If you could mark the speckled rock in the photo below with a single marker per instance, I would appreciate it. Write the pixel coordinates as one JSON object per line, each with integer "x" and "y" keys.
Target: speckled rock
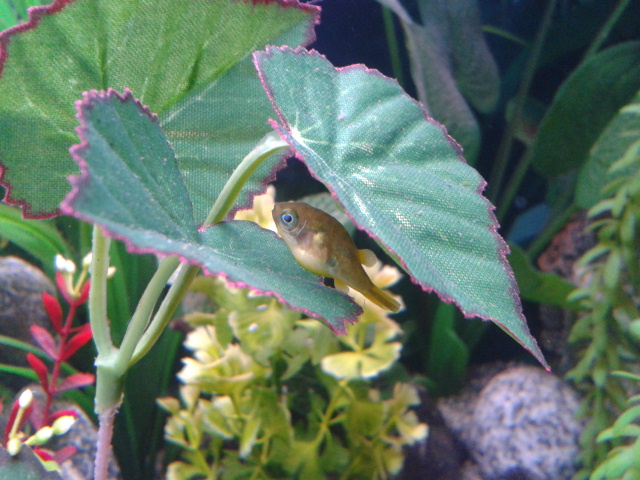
{"x": 21, "y": 287}
{"x": 519, "y": 425}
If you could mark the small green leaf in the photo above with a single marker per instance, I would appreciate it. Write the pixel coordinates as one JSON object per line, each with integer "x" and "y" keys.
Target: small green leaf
{"x": 400, "y": 177}
{"x": 364, "y": 418}
{"x": 621, "y": 139}
{"x": 365, "y": 364}
{"x": 584, "y": 105}
{"x": 537, "y": 286}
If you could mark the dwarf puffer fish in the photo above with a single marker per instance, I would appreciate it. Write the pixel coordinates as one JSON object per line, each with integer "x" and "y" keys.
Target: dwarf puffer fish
{"x": 321, "y": 244}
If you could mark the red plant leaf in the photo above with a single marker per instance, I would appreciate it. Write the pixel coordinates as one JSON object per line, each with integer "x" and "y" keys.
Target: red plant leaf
{"x": 37, "y": 414}
{"x": 63, "y": 413}
{"x": 62, "y": 287}
{"x": 75, "y": 342}
{"x": 84, "y": 293}
{"x": 44, "y": 340}
{"x": 44, "y": 455}
{"x": 64, "y": 454}
{"x": 10, "y": 420}
{"x": 40, "y": 368}
{"x": 77, "y": 380}
{"x": 54, "y": 311}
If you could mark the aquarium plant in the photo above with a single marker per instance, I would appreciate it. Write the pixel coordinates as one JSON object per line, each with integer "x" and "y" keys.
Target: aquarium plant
{"x": 153, "y": 121}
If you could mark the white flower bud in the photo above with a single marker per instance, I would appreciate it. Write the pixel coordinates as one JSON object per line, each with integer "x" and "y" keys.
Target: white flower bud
{"x": 13, "y": 446}
{"x": 63, "y": 424}
{"x": 25, "y": 399}
{"x": 111, "y": 271}
{"x": 86, "y": 261}
{"x": 41, "y": 437}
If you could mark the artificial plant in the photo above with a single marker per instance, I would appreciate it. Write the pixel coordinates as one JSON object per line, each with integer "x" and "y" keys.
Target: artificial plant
{"x": 606, "y": 334}
{"x": 267, "y": 393}
{"x": 151, "y": 178}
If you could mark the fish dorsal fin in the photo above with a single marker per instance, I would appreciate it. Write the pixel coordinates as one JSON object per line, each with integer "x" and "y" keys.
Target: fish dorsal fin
{"x": 367, "y": 257}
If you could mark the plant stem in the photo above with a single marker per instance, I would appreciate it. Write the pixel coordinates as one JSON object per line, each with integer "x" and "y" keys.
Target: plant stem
{"x": 103, "y": 448}
{"x": 144, "y": 310}
{"x": 55, "y": 373}
{"x": 605, "y": 30}
{"x": 98, "y": 293}
{"x": 112, "y": 364}
{"x": 504, "y": 150}
{"x": 268, "y": 145}
{"x": 392, "y": 43}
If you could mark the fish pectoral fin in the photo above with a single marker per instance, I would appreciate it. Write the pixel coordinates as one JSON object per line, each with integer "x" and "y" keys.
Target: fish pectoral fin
{"x": 367, "y": 257}
{"x": 341, "y": 286}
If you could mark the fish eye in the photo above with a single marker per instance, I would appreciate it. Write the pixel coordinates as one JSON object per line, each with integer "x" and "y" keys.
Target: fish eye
{"x": 289, "y": 218}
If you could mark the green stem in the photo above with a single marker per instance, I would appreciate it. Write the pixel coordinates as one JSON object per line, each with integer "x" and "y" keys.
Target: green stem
{"x": 392, "y": 43}
{"x": 504, "y": 150}
{"x": 270, "y": 144}
{"x": 605, "y": 30}
{"x": 168, "y": 306}
{"x": 144, "y": 310}
{"x": 98, "y": 293}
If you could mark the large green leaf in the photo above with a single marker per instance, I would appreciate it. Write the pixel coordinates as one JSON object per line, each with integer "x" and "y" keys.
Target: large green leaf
{"x": 188, "y": 61}
{"x": 619, "y": 136}
{"x": 131, "y": 186}
{"x": 400, "y": 177}
{"x": 582, "y": 108}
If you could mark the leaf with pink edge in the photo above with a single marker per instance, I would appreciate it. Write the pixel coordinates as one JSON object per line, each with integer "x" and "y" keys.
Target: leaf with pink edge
{"x": 44, "y": 340}
{"x": 40, "y": 368}
{"x": 188, "y": 61}
{"x": 132, "y": 187}
{"x": 75, "y": 381}
{"x": 400, "y": 177}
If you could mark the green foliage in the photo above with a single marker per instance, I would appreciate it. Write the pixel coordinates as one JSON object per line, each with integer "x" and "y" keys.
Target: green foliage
{"x": 38, "y": 238}
{"x": 13, "y": 12}
{"x": 451, "y": 65}
{"x": 583, "y": 106}
{"x": 623, "y": 461}
{"x": 607, "y": 333}
{"x": 399, "y": 177}
{"x": 270, "y": 394}
{"x": 163, "y": 51}
{"x": 127, "y": 152}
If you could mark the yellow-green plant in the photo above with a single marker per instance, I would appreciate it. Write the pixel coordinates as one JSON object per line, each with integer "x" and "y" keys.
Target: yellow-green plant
{"x": 623, "y": 461}
{"x": 268, "y": 393}
{"x": 607, "y": 334}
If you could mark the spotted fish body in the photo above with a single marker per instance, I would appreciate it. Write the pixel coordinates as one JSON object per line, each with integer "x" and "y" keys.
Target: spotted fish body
{"x": 321, "y": 244}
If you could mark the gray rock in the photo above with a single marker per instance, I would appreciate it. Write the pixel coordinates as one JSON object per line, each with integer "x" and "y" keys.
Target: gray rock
{"x": 521, "y": 425}
{"x": 21, "y": 287}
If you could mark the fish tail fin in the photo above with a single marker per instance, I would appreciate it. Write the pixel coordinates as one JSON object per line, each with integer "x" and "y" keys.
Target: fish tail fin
{"x": 382, "y": 299}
